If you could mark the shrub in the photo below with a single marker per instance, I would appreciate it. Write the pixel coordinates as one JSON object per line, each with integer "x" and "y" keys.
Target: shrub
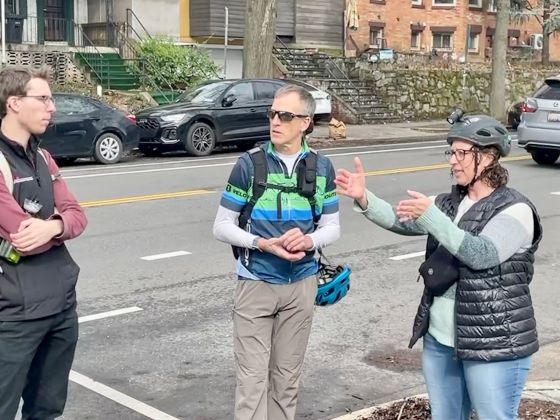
{"x": 171, "y": 65}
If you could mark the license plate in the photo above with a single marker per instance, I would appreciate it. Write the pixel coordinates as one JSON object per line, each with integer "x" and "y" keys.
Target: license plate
{"x": 143, "y": 120}
{"x": 553, "y": 117}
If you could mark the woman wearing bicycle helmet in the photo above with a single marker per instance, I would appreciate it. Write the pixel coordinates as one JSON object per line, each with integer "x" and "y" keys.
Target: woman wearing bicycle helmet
{"x": 480, "y": 331}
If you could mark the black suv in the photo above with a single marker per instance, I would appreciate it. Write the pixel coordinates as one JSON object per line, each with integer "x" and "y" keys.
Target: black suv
{"x": 216, "y": 112}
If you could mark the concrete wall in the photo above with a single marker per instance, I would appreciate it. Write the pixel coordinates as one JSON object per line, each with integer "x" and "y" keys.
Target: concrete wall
{"x": 80, "y": 11}
{"x": 414, "y": 94}
{"x": 159, "y": 17}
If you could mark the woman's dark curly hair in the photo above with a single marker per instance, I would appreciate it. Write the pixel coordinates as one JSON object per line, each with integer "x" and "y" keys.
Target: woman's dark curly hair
{"x": 494, "y": 175}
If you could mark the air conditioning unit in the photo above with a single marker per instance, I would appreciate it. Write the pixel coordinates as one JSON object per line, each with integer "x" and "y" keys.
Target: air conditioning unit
{"x": 536, "y": 41}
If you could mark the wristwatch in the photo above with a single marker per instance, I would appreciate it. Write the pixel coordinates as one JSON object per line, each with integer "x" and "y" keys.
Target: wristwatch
{"x": 255, "y": 244}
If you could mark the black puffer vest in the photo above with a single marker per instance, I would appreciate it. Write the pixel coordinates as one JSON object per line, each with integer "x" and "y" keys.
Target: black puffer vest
{"x": 43, "y": 284}
{"x": 494, "y": 315}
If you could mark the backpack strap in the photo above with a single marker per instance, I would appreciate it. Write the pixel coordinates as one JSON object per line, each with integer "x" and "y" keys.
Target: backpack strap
{"x": 7, "y": 173}
{"x": 260, "y": 174}
{"x": 307, "y": 182}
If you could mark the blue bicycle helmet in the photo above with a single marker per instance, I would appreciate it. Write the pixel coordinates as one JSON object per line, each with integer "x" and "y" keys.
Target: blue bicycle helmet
{"x": 333, "y": 283}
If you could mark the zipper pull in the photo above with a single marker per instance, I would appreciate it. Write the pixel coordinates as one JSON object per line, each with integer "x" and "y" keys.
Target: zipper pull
{"x": 418, "y": 279}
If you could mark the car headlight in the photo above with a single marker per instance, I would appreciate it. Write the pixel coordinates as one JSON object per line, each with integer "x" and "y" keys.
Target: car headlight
{"x": 173, "y": 117}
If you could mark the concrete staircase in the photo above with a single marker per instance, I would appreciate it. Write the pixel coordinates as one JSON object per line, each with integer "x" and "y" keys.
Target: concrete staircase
{"x": 111, "y": 72}
{"x": 108, "y": 69}
{"x": 318, "y": 69}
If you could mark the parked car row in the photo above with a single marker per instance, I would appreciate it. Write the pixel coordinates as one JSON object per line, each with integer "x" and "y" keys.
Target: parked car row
{"x": 235, "y": 112}
{"x": 213, "y": 113}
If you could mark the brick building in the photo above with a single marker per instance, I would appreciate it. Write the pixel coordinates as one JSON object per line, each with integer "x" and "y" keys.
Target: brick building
{"x": 446, "y": 26}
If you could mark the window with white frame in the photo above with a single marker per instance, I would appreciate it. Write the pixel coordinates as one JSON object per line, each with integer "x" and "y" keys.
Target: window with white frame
{"x": 492, "y": 5}
{"x": 443, "y": 2}
{"x": 442, "y": 41}
{"x": 415, "y": 40}
{"x": 474, "y": 40}
{"x": 475, "y": 3}
{"x": 376, "y": 37}
{"x": 417, "y": 2}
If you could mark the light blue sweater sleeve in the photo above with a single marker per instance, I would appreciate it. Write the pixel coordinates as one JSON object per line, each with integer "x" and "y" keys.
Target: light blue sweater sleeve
{"x": 507, "y": 233}
{"x": 383, "y": 214}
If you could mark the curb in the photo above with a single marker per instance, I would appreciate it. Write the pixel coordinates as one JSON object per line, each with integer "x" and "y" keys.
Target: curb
{"x": 354, "y": 141}
{"x": 355, "y": 415}
{"x": 538, "y": 390}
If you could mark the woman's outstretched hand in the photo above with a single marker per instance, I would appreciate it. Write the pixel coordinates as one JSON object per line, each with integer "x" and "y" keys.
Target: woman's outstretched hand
{"x": 414, "y": 207}
{"x": 353, "y": 184}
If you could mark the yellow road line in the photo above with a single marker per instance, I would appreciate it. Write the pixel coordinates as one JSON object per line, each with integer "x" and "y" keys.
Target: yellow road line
{"x": 430, "y": 167}
{"x": 140, "y": 198}
{"x": 163, "y": 196}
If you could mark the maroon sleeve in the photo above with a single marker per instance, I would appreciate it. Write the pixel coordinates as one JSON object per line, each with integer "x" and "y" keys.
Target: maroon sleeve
{"x": 67, "y": 207}
{"x": 11, "y": 214}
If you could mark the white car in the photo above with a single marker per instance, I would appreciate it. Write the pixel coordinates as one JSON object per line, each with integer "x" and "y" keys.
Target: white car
{"x": 322, "y": 100}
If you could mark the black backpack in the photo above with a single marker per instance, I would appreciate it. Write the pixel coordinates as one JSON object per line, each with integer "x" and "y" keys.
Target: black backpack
{"x": 306, "y": 187}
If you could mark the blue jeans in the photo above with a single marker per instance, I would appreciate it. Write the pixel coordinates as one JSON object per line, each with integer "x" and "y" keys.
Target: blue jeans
{"x": 493, "y": 389}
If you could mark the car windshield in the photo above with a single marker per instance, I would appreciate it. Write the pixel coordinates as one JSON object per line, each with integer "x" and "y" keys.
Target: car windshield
{"x": 204, "y": 94}
{"x": 550, "y": 90}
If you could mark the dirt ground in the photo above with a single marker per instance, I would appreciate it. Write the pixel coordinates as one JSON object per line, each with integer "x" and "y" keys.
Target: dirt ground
{"x": 419, "y": 409}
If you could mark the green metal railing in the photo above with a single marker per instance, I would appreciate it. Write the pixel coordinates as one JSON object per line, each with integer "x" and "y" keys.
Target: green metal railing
{"x": 90, "y": 54}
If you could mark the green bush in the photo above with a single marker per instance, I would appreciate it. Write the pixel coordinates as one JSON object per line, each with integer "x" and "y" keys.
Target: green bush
{"x": 172, "y": 65}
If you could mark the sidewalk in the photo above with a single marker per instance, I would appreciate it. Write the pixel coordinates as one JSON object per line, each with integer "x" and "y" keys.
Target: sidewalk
{"x": 543, "y": 384}
{"x": 385, "y": 133}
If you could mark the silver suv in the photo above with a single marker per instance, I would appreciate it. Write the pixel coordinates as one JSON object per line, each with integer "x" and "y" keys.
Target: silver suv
{"x": 539, "y": 129}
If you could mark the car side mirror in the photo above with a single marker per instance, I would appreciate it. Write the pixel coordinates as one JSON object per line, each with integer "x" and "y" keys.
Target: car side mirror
{"x": 229, "y": 100}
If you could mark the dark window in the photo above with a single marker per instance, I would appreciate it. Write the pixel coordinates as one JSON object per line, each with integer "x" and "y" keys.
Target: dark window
{"x": 73, "y": 105}
{"x": 266, "y": 90}
{"x": 243, "y": 92}
{"x": 13, "y": 7}
{"x": 550, "y": 90}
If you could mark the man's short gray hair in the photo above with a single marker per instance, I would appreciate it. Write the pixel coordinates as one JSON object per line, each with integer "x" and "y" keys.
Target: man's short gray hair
{"x": 304, "y": 96}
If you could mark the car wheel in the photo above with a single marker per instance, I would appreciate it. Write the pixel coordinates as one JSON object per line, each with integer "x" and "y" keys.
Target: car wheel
{"x": 246, "y": 145}
{"x": 150, "y": 151}
{"x": 108, "y": 148}
{"x": 545, "y": 156}
{"x": 201, "y": 139}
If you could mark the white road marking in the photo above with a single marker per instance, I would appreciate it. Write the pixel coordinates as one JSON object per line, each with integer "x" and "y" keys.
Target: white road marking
{"x": 134, "y": 165}
{"x": 214, "y": 158}
{"x": 214, "y": 165}
{"x": 119, "y": 397}
{"x": 407, "y": 256}
{"x": 555, "y": 193}
{"x": 400, "y": 149}
{"x": 148, "y": 171}
{"x": 166, "y": 255}
{"x": 109, "y": 314}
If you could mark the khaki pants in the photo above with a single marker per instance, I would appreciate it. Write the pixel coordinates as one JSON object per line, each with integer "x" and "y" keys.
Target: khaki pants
{"x": 271, "y": 326}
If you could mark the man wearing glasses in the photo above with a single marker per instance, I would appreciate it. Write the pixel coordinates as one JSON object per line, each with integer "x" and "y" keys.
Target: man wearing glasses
{"x": 276, "y": 268}
{"x": 38, "y": 213}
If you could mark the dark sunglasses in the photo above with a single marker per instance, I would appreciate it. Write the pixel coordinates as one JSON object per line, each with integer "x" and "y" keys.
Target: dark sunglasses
{"x": 284, "y": 116}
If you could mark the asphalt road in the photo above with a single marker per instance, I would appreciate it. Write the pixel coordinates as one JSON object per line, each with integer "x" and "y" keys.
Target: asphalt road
{"x": 171, "y": 355}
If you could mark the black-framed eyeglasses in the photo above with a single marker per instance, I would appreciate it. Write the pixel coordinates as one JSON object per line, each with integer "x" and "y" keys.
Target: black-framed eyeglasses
{"x": 459, "y": 153}
{"x": 43, "y": 98}
{"x": 284, "y": 116}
